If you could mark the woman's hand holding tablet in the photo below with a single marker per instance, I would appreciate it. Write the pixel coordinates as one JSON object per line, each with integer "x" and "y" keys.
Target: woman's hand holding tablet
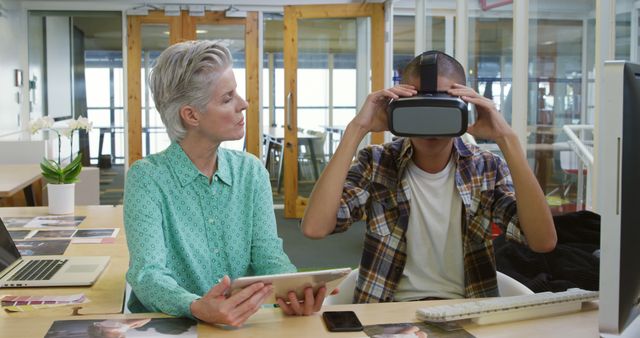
{"x": 300, "y": 293}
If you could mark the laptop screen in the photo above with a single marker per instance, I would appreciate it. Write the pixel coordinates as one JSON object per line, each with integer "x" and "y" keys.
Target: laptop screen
{"x": 8, "y": 251}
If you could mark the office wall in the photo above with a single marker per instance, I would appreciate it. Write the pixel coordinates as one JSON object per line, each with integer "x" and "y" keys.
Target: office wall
{"x": 58, "y": 59}
{"x": 36, "y": 66}
{"x": 11, "y": 35}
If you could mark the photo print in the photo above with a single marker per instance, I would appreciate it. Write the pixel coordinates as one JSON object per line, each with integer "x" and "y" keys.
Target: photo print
{"x": 140, "y": 327}
{"x": 40, "y": 248}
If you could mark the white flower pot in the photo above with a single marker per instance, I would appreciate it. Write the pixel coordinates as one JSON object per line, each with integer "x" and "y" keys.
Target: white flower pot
{"x": 61, "y": 198}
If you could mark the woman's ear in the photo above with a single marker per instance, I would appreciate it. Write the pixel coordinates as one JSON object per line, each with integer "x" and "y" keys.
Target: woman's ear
{"x": 190, "y": 116}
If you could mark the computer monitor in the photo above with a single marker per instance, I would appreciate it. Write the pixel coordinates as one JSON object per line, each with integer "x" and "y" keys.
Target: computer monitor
{"x": 618, "y": 201}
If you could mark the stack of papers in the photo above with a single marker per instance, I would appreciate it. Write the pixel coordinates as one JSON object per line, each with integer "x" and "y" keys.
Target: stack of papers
{"x": 29, "y": 303}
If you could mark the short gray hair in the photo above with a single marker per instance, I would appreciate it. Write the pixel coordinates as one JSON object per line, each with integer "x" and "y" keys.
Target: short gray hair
{"x": 182, "y": 76}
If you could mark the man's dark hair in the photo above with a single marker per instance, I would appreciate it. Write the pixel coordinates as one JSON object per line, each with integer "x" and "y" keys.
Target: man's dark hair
{"x": 447, "y": 67}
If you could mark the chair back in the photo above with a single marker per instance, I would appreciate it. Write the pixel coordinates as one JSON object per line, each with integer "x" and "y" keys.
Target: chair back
{"x": 507, "y": 286}
{"x": 347, "y": 288}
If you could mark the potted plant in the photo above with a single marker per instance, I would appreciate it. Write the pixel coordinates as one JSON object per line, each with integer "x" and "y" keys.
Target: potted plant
{"x": 61, "y": 177}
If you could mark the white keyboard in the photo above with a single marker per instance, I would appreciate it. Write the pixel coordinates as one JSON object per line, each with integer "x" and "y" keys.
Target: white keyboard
{"x": 503, "y": 309}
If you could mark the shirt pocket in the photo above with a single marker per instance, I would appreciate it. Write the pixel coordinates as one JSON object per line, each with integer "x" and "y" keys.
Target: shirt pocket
{"x": 383, "y": 211}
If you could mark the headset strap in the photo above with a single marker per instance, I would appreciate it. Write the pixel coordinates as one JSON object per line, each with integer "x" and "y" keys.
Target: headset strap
{"x": 429, "y": 73}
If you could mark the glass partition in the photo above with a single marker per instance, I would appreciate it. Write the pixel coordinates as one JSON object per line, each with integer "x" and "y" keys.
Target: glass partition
{"x": 155, "y": 39}
{"x": 91, "y": 68}
{"x": 490, "y": 56}
{"x": 404, "y": 39}
{"x": 558, "y": 96}
{"x": 627, "y": 27}
{"x": 327, "y": 57}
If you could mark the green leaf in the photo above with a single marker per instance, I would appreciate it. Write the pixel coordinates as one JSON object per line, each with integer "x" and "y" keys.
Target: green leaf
{"x": 47, "y": 170}
{"x": 71, "y": 176}
{"x": 57, "y": 179}
{"x": 73, "y": 165}
{"x": 52, "y": 165}
{"x": 51, "y": 171}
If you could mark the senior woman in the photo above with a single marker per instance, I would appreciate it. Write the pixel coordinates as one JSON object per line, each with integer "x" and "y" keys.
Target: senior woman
{"x": 196, "y": 214}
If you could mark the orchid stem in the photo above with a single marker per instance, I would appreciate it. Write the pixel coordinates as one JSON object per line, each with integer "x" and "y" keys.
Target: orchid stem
{"x": 59, "y": 147}
{"x": 71, "y": 136}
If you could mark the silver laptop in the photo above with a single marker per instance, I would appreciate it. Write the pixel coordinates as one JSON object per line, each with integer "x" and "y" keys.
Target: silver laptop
{"x": 18, "y": 271}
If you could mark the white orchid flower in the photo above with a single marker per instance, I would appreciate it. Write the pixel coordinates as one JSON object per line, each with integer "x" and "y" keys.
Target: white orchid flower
{"x": 66, "y": 132}
{"x": 47, "y": 122}
{"x": 73, "y": 125}
{"x": 83, "y": 123}
{"x": 34, "y": 126}
{"x": 40, "y": 123}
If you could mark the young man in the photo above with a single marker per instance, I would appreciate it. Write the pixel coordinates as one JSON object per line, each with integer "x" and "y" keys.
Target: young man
{"x": 429, "y": 202}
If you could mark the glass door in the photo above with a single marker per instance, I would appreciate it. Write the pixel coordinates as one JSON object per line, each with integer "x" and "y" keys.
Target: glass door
{"x": 330, "y": 53}
{"x": 149, "y": 35}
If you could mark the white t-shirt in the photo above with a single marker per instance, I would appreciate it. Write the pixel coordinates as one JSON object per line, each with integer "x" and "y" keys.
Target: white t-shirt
{"x": 434, "y": 266}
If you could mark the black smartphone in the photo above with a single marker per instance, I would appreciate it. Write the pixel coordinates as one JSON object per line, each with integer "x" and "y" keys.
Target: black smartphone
{"x": 341, "y": 321}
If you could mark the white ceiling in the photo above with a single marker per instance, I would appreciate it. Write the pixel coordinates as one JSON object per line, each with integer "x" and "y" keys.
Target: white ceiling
{"x": 565, "y": 6}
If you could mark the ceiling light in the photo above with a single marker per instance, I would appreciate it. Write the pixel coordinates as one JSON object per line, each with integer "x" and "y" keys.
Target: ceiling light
{"x": 140, "y": 10}
{"x": 172, "y": 10}
{"x": 196, "y": 10}
{"x": 233, "y": 12}
{"x": 201, "y": 31}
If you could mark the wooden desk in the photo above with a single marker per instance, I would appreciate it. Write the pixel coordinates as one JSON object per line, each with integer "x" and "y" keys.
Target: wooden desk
{"x": 16, "y": 177}
{"x": 107, "y": 294}
{"x": 271, "y": 323}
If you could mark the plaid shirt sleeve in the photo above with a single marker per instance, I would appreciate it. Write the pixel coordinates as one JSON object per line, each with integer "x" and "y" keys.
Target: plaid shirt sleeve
{"x": 355, "y": 192}
{"x": 505, "y": 212}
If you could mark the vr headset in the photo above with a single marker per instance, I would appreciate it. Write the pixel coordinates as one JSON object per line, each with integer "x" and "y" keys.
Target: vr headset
{"x": 429, "y": 113}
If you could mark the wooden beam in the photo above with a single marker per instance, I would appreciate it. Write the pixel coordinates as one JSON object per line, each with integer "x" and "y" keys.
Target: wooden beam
{"x": 291, "y": 117}
{"x": 252, "y": 138}
{"x": 377, "y": 56}
{"x": 188, "y": 27}
{"x": 134, "y": 115}
{"x": 175, "y": 30}
{"x": 329, "y": 11}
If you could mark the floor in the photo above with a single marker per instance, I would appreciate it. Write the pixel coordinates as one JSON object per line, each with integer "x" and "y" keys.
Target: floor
{"x": 112, "y": 185}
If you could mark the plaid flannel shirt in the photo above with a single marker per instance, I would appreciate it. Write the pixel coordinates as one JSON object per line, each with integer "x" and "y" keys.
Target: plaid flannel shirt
{"x": 376, "y": 188}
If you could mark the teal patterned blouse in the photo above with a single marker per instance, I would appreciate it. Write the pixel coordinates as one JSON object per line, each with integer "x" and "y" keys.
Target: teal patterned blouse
{"x": 185, "y": 233}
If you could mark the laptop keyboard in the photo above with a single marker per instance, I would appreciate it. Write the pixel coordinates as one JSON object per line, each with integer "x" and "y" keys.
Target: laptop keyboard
{"x": 39, "y": 269}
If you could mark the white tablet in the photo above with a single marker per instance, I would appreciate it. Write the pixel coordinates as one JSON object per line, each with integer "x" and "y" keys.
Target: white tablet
{"x": 297, "y": 281}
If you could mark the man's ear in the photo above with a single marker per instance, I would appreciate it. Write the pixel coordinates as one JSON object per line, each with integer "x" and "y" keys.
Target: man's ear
{"x": 190, "y": 116}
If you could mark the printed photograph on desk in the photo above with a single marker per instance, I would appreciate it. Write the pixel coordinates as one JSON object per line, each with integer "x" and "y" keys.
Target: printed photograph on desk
{"x": 16, "y": 222}
{"x": 19, "y": 234}
{"x": 55, "y": 221}
{"x": 418, "y": 329}
{"x": 53, "y": 234}
{"x": 95, "y": 236}
{"x": 40, "y": 248}
{"x": 142, "y": 327}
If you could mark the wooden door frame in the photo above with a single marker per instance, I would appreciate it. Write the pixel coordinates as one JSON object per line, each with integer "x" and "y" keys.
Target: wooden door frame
{"x": 134, "y": 89}
{"x": 295, "y": 205}
{"x": 182, "y": 28}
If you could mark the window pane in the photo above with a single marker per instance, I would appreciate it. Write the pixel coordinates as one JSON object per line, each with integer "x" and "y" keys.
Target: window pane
{"x": 155, "y": 38}
{"x": 557, "y": 84}
{"x": 490, "y": 57}
{"x": 98, "y": 88}
{"x": 118, "y": 83}
{"x": 404, "y": 38}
